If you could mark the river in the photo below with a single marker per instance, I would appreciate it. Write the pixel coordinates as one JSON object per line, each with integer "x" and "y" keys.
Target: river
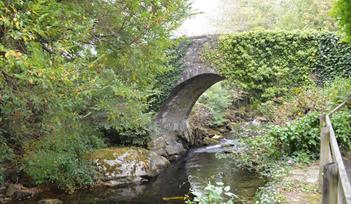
{"x": 194, "y": 171}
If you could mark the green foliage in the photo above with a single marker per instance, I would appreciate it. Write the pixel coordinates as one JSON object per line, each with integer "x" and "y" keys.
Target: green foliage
{"x": 269, "y": 193}
{"x": 165, "y": 81}
{"x": 217, "y": 193}
{"x": 304, "y": 100}
{"x": 299, "y": 102}
{"x": 296, "y": 138}
{"x": 87, "y": 64}
{"x": 306, "y": 15}
{"x": 260, "y": 155}
{"x": 269, "y": 64}
{"x": 341, "y": 11}
{"x": 217, "y": 99}
{"x": 342, "y": 128}
{"x": 299, "y": 118}
{"x": 249, "y": 15}
{"x": 338, "y": 91}
{"x": 6, "y": 154}
{"x": 132, "y": 137}
{"x": 296, "y": 142}
{"x": 62, "y": 158}
{"x": 303, "y": 135}
{"x": 334, "y": 58}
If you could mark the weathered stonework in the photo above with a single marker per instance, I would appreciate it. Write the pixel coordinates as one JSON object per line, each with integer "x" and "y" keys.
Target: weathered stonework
{"x": 197, "y": 77}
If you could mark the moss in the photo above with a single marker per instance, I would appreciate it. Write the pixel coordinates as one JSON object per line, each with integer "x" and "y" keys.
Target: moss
{"x": 137, "y": 154}
{"x": 210, "y": 141}
{"x": 126, "y": 154}
{"x": 108, "y": 153}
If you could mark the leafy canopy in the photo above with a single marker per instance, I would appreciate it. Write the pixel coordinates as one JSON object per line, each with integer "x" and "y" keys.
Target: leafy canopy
{"x": 342, "y": 12}
{"x": 72, "y": 65}
{"x": 248, "y": 15}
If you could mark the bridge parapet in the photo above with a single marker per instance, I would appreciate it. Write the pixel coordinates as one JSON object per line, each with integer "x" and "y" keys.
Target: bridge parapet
{"x": 193, "y": 62}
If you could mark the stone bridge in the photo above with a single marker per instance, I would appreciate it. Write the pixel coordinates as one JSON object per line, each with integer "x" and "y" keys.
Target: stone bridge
{"x": 196, "y": 78}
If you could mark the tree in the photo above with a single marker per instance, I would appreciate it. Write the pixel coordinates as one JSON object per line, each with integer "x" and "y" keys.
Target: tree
{"x": 342, "y": 12}
{"x": 70, "y": 69}
{"x": 282, "y": 14}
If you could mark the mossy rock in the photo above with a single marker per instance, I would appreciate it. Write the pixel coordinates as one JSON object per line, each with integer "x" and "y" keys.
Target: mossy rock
{"x": 125, "y": 165}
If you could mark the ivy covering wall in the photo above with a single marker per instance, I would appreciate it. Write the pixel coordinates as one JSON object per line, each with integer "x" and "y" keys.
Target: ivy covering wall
{"x": 268, "y": 64}
{"x": 334, "y": 58}
{"x": 165, "y": 82}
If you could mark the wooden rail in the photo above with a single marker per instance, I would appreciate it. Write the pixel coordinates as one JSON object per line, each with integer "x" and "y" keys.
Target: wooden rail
{"x": 334, "y": 182}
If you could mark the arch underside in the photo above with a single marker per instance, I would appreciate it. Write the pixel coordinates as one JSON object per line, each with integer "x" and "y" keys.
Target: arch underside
{"x": 174, "y": 114}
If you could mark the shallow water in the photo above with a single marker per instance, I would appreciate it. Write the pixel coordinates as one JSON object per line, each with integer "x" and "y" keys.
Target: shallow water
{"x": 192, "y": 172}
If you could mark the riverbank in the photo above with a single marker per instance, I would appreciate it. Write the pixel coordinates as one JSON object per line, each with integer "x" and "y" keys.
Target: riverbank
{"x": 298, "y": 185}
{"x": 129, "y": 169}
{"x": 291, "y": 178}
{"x": 189, "y": 174}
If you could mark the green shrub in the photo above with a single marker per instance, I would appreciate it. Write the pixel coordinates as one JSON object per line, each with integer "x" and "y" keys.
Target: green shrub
{"x": 338, "y": 91}
{"x": 214, "y": 193}
{"x": 303, "y": 100}
{"x": 300, "y": 102}
{"x": 297, "y": 142}
{"x": 260, "y": 155}
{"x": 342, "y": 126}
{"x": 62, "y": 158}
{"x": 303, "y": 135}
{"x": 341, "y": 11}
{"x": 217, "y": 98}
{"x": 6, "y": 153}
{"x": 132, "y": 137}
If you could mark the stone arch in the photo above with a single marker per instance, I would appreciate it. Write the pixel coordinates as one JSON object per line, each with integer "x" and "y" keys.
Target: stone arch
{"x": 174, "y": 135}
{"x": 174, "y": 113}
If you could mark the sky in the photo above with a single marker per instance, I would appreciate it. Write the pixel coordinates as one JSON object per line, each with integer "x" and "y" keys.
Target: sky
{"x": 204, "y": 22}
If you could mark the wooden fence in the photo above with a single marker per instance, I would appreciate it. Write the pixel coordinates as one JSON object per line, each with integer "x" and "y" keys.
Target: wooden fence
{"x": 333, "y": 179}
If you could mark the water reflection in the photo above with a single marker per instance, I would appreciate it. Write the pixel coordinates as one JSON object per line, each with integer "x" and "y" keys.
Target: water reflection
{"x": 192, "y": 172}
{"x": 203, "y": 166}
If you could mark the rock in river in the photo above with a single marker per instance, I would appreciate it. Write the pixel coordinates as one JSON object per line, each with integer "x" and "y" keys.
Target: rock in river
{"x": 128, "y": 165}
{"x": 50, "y": 201}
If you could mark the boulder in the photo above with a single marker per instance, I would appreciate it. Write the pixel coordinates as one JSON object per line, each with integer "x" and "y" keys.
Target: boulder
{"x": 175, "y": 148}
{"x": 2, "y": 189}
{"x": 19, "y": 192}
{"x": 50, "y": 201}
{"x": 169, "y": 146}
{"x": 259, "y": 120}
{"x": 210, "y": 141}
{"x": 24, "y": 194}
{"x": 217, "y": 137}
{"x": 12, "y": 188}
{"x": 158, "y": 145}
{"x": 128, "y": 165}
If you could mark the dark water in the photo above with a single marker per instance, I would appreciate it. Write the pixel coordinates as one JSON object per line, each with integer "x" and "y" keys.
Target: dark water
{"x": 192, "y": 172}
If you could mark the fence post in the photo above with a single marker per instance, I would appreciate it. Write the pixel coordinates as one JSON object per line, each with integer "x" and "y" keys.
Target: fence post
{"x": 325, "y": 155}
{"x": 330, "y": 184}
{"x": 341, "y": 197}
